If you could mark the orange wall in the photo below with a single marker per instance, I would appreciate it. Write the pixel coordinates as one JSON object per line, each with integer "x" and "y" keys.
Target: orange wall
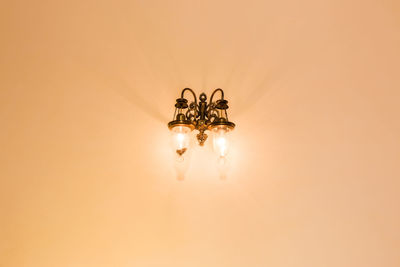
{"x": 86, "y": 176}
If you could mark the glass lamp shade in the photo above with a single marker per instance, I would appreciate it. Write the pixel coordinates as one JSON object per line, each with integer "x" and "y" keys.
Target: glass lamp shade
{"x": 180, "y": 141}
{"x": 221, "y": 140}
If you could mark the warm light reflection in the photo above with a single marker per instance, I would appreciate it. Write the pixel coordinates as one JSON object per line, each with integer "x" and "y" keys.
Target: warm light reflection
{"x": 222, "y": 167}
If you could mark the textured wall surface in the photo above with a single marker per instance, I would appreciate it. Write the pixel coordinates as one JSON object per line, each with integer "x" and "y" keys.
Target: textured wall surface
{"x": 86, "y": 172}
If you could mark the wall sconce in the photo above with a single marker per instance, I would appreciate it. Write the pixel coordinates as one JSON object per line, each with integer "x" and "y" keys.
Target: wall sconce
{"x": 201, "y": 116}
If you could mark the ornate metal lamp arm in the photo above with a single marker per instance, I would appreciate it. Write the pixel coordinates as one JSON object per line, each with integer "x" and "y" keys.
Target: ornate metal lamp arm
{"x": 194, "y": 97}
{"x": 216, "y": 90}
{"x": 190, "y": 90}
{"x": 212, "y": 112}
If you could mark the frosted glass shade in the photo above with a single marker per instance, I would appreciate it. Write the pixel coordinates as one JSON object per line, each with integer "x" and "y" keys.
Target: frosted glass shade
{"x": 180, "y": 140}
{"x": 221, "y": 140}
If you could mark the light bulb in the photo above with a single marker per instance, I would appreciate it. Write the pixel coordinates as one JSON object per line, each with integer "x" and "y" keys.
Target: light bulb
{"x": 180, "y": 141}
{"x": 221, "y": 141}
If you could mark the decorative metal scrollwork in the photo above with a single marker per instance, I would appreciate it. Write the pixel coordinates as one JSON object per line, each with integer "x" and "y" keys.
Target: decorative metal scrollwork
{"x": 201, "y": 115}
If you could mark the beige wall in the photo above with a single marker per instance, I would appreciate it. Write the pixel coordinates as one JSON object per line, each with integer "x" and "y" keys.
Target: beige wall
{"x": 86, "y": 90}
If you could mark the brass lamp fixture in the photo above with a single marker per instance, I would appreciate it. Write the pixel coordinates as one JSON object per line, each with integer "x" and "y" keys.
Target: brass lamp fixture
{"x": 201, "y": 116}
